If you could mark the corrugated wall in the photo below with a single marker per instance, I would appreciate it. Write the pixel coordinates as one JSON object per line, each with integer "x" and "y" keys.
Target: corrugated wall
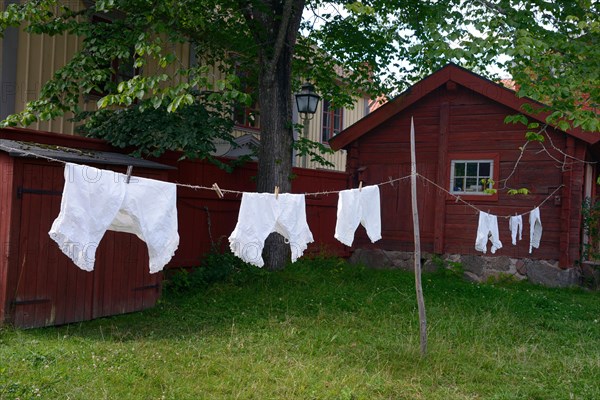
{"x": 39, "y": 56}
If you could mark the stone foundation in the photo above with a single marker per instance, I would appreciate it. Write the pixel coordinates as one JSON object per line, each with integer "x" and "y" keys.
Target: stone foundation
{"x": 476, "y": 268}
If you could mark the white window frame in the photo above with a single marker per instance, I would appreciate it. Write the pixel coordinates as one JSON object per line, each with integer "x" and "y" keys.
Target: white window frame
{"x": 478, "y": 177}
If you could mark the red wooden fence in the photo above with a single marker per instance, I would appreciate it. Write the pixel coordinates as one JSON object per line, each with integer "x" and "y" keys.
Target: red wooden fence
{"x": 204, "y": 219}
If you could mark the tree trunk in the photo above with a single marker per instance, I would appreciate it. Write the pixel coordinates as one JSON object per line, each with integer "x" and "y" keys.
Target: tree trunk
{"x": 277, "y": 136}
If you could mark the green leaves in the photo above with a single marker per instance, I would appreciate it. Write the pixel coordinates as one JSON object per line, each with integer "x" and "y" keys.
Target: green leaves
{"x": 516, "y": 119}
{"x": 534, "y": 136}
{"x": 314, "y": 150}
{"x": 186, "y": 99}
{"x": 189, "y": 127}
{"x": 367, "y": 48}
{"x": 521, "y": 191}
{"x": 359, "y": 8}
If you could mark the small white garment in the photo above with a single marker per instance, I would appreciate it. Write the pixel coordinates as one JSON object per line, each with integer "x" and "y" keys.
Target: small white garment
{"x": 487, "y": 229}
{"x": 96, "y": 200}
{"x": 262, "y": 214}
{"x": 358, "y": 206}
{"x": 515, "y": 225}
{"x": 535, "y": 229}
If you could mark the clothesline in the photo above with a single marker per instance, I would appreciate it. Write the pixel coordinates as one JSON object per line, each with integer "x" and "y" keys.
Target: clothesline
{"x": 322, "y": 193}
{"x": 458, "y": 198}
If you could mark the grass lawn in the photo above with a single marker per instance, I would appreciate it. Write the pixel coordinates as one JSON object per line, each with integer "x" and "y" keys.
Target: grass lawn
{"x": 322, "y": 329}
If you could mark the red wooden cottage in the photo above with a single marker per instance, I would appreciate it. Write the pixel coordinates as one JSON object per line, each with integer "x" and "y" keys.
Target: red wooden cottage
{"x": 461, "y": 138}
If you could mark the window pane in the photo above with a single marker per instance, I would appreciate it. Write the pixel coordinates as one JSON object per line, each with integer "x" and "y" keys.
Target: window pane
{"x": 459, "y": 185}
{"x": 336, "y": 123}
{"x": 239, "y": 115}
{"x": 253, "y": 120}
{"x": 472, "y": 184}
{"x": 471, "y": 169}
{"x": 326, "y": 127}
{"x": 484, "y": 169}
{"x": 459, "y": 169}
{"x": 467, "y": 175}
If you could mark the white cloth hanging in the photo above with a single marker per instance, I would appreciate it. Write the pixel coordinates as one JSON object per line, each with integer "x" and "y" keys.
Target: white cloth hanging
{"x": 535, "y": 229}
{"x": 96, "y": 200}
{"x": 515, "y": 226}
{"x": 264, "y": 213}
{"x": 358, "y": 206}
{"x": 487, "y": 229}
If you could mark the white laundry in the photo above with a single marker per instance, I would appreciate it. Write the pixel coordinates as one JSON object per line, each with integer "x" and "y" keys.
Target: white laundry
{"x": 96, "y": 200}
{"x": 358, "y": 206}
{"x": 535, "y": 229}
{"x": 262, "y": 214}
{"x": 515, "y": 225}
{"x": 487, "y": 229}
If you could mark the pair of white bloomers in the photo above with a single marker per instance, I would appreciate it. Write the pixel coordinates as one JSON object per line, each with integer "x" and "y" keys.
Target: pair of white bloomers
{"x": 264, "y": 213}
{"x": 96, "y": 200}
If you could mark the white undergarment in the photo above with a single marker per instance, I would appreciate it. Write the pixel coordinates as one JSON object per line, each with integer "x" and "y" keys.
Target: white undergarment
{"x": 535, "y": 229}
{"x": 96, "y": 200}
{"x": 262, "y": 214}
{"x": 487, "y": 229}
{"x": 515, "y": 225}
{"x": 358, "y": 207}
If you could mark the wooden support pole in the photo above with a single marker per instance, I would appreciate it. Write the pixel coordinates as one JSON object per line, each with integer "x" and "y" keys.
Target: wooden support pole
{"x": 417, "y": 238}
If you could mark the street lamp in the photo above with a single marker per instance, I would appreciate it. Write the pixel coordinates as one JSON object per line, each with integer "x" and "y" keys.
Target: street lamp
{"x": 307, "y": 101}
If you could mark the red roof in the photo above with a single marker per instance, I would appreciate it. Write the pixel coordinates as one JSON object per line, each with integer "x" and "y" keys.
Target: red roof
{"x": 460, "y": 76}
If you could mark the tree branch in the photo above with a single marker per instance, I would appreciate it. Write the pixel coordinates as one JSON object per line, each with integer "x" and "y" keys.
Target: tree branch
{"x": 281, "y": 35}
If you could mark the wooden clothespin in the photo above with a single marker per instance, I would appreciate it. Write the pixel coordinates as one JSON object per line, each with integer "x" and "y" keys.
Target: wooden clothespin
{"x": 360, "y": 186}
{"x": 391, "y": 181}
{"x": 129, "y": 170}
{"x": 217, "y": 189}
{"x": 276, "y": 192}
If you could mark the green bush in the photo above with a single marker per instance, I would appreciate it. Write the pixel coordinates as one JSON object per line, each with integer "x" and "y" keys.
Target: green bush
{"x": 214, "y": 267}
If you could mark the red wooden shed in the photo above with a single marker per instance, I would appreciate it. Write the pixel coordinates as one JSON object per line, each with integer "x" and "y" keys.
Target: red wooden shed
{"x": 461, "y": 137}
{"x": 39, "y": 285}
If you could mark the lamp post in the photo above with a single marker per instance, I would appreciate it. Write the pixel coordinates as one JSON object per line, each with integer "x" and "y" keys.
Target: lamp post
{"x": 306, "y": 102}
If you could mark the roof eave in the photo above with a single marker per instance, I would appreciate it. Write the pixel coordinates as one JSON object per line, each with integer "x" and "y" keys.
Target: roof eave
{"x": 461, "y": 76}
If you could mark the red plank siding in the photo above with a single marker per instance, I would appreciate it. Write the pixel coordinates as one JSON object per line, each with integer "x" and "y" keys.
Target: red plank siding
{"x": 6, "y": 220}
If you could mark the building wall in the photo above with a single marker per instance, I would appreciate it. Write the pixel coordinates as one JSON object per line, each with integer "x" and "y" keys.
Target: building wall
{"x": 6, "y": 218}
{"x": 40, "y": 56}
{"x": 450, "y": 122}
{"x": 350, "y": 116}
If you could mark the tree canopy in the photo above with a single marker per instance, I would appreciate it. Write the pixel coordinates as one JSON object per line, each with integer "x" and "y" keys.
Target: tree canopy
{"x": 549, "y": 48}
{"x": 374, "y": 47}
